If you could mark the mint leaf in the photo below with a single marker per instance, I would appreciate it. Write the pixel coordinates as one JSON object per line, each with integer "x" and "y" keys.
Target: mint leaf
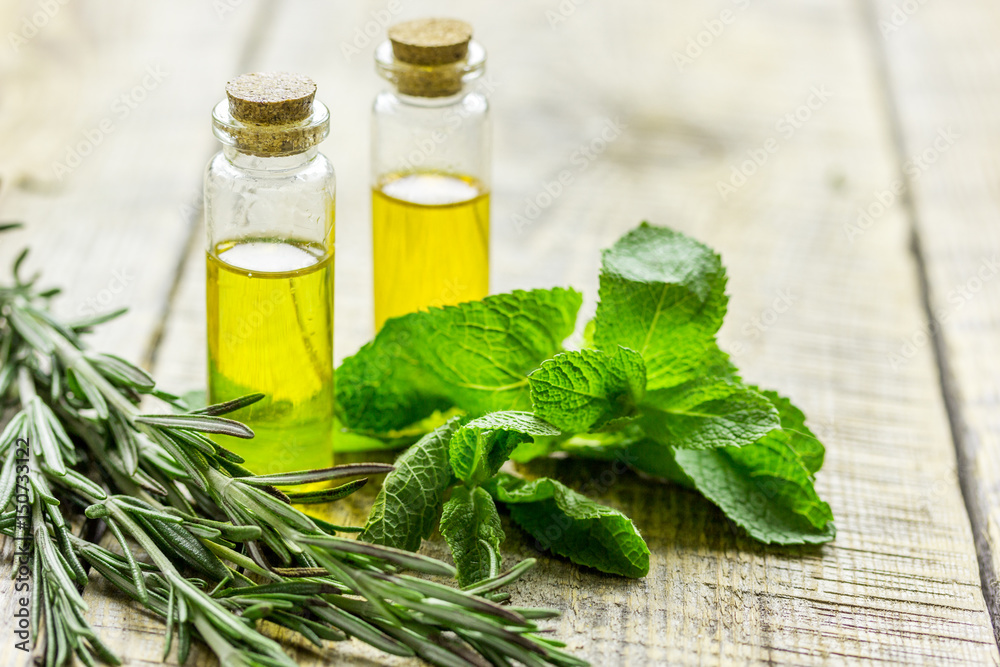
{"x": 475, "y": 356}
{"x": 654, "y": 459}
{"x": 384, "y": 386}
{"x": 601, "y": 446}
{"x": 793, "y": 426}
{"x": 629, "y": 447}
{"x": 471, "y": 527}
{"x": 407, "y": 506}
{"x": 536, "y": 448}
{"x": 479, "y": 448}
{"x": 584, "y": 390}
{"x": 572, "y": 525}
{"x": 765, "y": 488}
{"x": 707, "y": 413}
{"x": 588, "y": 335}
{"x": 662, "y": 294}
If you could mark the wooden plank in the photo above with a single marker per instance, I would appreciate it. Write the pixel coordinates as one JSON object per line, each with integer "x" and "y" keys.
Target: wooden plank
{"x": 132, "y": 87}
{"x": 900, "y": 585}
{"x": 943, "y": 65}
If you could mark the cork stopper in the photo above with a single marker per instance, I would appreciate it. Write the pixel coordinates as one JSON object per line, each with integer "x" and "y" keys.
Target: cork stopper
{"x": 430, "y": 41}
{"x": 271, "y": 97}
{"x": 430, "y": 57}
{"x": 271, "y": 114}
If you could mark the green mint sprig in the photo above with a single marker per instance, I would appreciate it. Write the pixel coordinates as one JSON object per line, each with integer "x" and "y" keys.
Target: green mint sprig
{"x": 651, "y": 387}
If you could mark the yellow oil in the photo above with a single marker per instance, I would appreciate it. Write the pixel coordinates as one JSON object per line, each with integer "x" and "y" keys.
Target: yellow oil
{"x": 431, "y": 238}
{"x": 270, "y": 330}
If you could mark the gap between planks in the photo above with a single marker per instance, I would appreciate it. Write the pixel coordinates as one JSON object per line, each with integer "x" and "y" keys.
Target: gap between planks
{"x": 946, "y": 378}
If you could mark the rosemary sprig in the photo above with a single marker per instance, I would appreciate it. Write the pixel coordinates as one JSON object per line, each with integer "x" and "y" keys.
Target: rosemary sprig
{"x": 225, "y": 548}
{"x": 57, "y": 606}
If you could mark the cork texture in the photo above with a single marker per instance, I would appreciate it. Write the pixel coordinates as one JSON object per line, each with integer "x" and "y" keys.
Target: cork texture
{"x": 273, "y": 114}
{"x": 430, "y": 41}
{"x": 271, "y": 97}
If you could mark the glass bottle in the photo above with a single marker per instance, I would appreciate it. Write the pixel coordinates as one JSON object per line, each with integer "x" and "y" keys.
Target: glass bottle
{"x": 430, "y": 170}
{"x": 269, "y": 215}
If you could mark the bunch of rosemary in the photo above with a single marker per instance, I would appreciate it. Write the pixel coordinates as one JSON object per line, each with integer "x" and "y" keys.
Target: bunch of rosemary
{"x": 225, "y": 549}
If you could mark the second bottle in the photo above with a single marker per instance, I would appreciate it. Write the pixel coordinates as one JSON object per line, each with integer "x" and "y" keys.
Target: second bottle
{"x": 430, "y": 170}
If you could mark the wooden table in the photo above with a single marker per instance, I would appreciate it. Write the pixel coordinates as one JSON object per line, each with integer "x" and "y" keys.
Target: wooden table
{"x": 814, "y": 111}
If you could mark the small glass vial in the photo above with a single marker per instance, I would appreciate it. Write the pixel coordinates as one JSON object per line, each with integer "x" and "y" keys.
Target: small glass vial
{"x": 269, "y": 214}
{"x": 430, "y": 170}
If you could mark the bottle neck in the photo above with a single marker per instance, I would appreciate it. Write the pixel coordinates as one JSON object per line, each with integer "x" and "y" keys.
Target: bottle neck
{"x": 430, "y": 102}
{"x": 249, "y": 162}
{"x": 428, "y": 83}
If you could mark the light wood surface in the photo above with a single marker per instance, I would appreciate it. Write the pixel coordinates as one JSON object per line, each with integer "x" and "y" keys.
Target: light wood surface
{"x": 901, "y": 584}
{"x": 956, "y": 211}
